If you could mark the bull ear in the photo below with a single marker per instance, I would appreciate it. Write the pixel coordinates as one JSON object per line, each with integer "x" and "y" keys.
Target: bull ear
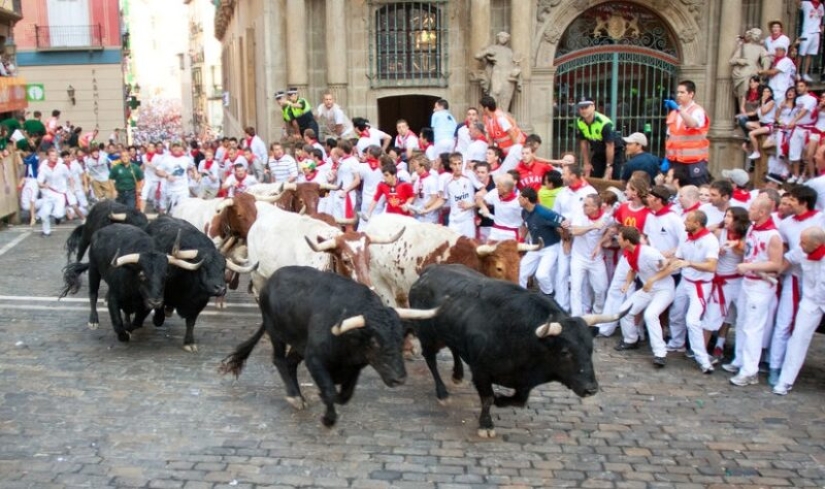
{"x": 548, "y": 329}
{"x": 327, "y": 245}
{"x": 349, "y": 324}
{"x": 594, "y": 319}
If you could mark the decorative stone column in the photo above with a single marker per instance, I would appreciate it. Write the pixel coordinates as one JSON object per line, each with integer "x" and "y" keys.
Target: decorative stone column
{"x": 722, "y": 122}
{"x": 772, "y": 10}
{"x": 480, "y": 37}
{"x": 521, "y": 35}
{"x": 336, "y": 44}
{"x": 296, "y": 44}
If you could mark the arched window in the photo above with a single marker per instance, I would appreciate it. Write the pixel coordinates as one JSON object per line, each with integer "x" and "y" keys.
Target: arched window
{"x": 409, "y": 44}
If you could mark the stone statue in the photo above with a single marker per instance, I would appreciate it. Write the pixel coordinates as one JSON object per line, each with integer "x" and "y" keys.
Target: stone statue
{"x": 748, "y": 58}
{"x": 501, "y": 75}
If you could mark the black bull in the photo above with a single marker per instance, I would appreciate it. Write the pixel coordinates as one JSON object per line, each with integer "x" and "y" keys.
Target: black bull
{"x": 337, "y": 325}
{"x": 507, "y": 336}
{"x": 102, "y": 214}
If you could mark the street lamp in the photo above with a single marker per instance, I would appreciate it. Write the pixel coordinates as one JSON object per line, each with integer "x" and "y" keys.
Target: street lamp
{"x": 136, "y": 89}
{"x": 70, "y": 92}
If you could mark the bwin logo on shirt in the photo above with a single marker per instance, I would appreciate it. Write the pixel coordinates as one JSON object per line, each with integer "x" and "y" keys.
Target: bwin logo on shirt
{"x": 459, "y": 198}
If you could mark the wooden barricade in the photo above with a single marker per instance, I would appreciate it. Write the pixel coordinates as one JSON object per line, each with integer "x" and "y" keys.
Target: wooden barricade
{"x": 9, "y": 201}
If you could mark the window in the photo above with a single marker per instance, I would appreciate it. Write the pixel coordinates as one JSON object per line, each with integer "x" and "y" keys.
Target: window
{"x": 410, "y": 44}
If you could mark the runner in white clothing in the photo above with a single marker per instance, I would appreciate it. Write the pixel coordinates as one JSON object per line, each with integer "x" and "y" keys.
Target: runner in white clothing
{"x": 239, "y": 181}
{"x": 425, "y": 186}
{"x": 371, "y": 176}
{"x": 406, "y": 139}
{"x": 587, "y": 258}
{"x": 507, "y": 218}
{"x": 174, "y": 169}
{"x": 53, "y": 178}
{"x": 459, "y": 193}
{"x": 344, "y": 174}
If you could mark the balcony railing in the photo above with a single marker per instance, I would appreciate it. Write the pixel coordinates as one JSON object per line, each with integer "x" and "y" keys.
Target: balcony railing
{"x": 69, "y": 36}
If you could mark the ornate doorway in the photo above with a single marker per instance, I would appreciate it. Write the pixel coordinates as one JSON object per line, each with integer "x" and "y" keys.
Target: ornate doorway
{"x": 625, "y": 57}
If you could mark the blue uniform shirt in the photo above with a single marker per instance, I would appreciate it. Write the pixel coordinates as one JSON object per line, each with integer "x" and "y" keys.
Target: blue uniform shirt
{"x": 543, "y": 223}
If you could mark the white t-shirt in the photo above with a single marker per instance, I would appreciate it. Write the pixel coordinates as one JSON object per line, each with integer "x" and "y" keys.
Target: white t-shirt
{"x": 650, "y": 262}
{"x": 790, "y": 229}
{"x": 727, "y": 260}
{"x": 784, "y": 79}
{"x": 76, "y": 170}
{"x": 375, "y": 138}
{"x": 176, "y": 166}
{"x": 811, "y": 18}
{"x": 507, "y": 214}
{"x": 56, "y": 178}
{"x": 455, "y": 191}
{"x": 570, "y": 203}
{"x": 584, "y": 245}
{"x": 476, "y": 151}
{"x": 211, "y": 177}
{"x": 334, "y": 116}
{"x": 770, "y": 43}
{"x": 408, "y": 142}
{"x": 425, "y": 188}
{"x": 818, "y": 184}
{"x": 369, "y": 180}
{"x": 236, "y": 187}
{"x": 809, "y": 103}
{"x": 699, "y": 250}
{"x": 98, "y": 168}
{"x": 666, "y": 231}
{"x": 715, "y": 216}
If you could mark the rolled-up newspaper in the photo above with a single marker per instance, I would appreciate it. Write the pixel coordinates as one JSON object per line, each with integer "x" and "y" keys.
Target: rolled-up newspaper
{"x": 767, "y": 276}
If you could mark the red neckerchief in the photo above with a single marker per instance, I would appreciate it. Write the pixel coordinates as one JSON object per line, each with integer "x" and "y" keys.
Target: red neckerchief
{"x": 424, "y": 175}
{"x": 373, "y": 163}
{"x": 598, "y": 216}
{"x": 817, "y": 254}
{"x": 51, "y": 165}
{"x": 741, "y": 195}
{"x": 402, "y": 140}
{"x": 150, "y": 156}
{"x": 753, "y": 96}
{"x": 816, "y": 3}
{"x": 423, "y": 146}
{"x": 804, "y": 216}
{"x": 776, "y": 60}
{"x": 633, "y": 257}
{"x": 664, "y": 210}
{"x": 576, "y": 187}
{"x": 508, "y": 198}
{"x": 691, "y": 208}
{"x": 481, "y": 137}
{"x": 311, "y": 176}
{"x": 194, "y": 153}
{"x": 365, "y": 133}
{"x": 765, "y": 226}
{"x": 208, "y": 164}
{"x": 249, "y": 142}
{"x": 698, "y": 235}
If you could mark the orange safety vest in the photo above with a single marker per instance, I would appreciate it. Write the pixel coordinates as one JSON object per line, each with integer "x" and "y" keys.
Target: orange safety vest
{"x": 497, "y": 135}
{"x": 685, "y": 144}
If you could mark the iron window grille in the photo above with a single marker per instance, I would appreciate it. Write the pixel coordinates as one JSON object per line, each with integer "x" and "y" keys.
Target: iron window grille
{"x": 408, "y": 44}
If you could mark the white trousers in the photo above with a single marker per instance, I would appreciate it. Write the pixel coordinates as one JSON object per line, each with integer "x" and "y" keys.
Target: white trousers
{"x": 563, "y": 280}
{"x": 615, "y": 297}
{"x": 717, "y": 311}
{"x": 686, "y": 317}
{"x": 752, "y": 309}
{"x": 797, "y": 144}
{"x": 582, "y": 271}
{"x": 465, "y": 227}
{"x": 807, "y": 320}
{"x": 54, "y": 205}
{"x": 652, "y": 303}
{"x": 512, "y": 159}
{"x": 788, "y": 301}
{"x": 540, "y": 263}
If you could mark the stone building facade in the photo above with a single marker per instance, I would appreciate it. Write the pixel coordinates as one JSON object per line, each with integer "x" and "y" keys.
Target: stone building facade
{"x": 384, "y": 59}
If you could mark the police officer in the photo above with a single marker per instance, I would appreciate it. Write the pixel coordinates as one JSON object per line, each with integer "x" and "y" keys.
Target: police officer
{"x": 600, "y": 148}
{"x": 297, "y": 112}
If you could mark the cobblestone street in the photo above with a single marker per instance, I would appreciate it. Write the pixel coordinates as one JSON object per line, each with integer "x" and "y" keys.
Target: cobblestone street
{"x": 80, "y": 409}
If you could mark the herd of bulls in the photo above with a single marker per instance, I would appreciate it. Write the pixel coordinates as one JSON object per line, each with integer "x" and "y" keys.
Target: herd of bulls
{"x": 338, "y": 300}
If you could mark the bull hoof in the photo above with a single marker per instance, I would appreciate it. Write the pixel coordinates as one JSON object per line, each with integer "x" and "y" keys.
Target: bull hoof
{"x": 487, "y": 432}
{"x": 168, "y": 311}
{"x": 124, "y": 336}
{"x": 193, "y": 348}
{"x": 445, "y": 402}
{"x": 93, "y": 325}
{"x": 458, "y": 381}
{"x": 297, "y": 402}
{"x": 328, "y": 422}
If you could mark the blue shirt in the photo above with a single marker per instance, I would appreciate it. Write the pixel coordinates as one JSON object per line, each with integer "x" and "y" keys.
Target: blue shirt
{"x": 444, "y": 125}
{"x": 645, "y": 162}
{"x": 542, "y": 223}
{"x": 32, "y": 163}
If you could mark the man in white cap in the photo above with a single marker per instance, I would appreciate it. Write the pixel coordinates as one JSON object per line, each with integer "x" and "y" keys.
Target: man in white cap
{"x": 741, "y": 196}
{"x": 637, "y": 158}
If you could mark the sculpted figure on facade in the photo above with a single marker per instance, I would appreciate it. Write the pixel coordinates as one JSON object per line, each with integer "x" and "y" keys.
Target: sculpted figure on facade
{"x": 748, "y": 58}
{"x": 501, "y": 76}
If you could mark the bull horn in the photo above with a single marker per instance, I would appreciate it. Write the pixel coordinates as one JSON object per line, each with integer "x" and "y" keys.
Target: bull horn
{"x": 267, "y": 198}
{"x": 120, "y": 216}
{"x": 531, "y": 247}
{"x": 344, "y": 221}
{"x": 416, "y": 313}
{"x": 328, "y": 186}
{"x": 349, "y": 324}
{"x": 594, "y": 319}
{"x": 239, "y": 269}
{"x": 228, "y": 202}
{"x": 119, "y": 261}
{"x": 186, "y": 254}
{"x": 327, "y": 245}
{"x": 227, "y": 245}
{"x": 486, "y": 249}
{"x": 176, "y": 246}
{"x": 183, "y": 263}
{"x": 391, "y": 239}
{"x": 290, "y": 186}
{"x": 548, "y": 329}
{"x": 303, "y": 209}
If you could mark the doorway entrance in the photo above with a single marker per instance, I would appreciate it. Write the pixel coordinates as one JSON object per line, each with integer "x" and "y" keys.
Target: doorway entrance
{"x": 415, "y": 109}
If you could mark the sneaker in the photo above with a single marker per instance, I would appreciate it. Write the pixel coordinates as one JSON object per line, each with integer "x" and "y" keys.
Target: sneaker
{"x": 744, "y": 380}
{"x": 729, "y": 367}
{"x": 781, "y": 389}
{"x": 676, "y": 349}
{"x": 659, "y": 362}
{"x": 707, "y": 369}
{"x": 45, "y": 234}
{"x": 792, "y": 179}
{"x": 622, "y": 346}
{"x": 773, "y": 376}
{"x": 754, "y": 156}
{"x": 764, "y": 368}
{"x": 689, "y": 353}
{"x": 807, "y": 77}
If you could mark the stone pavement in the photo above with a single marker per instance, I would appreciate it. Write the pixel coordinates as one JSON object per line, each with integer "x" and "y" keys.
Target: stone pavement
{"x": 79, "y": 409}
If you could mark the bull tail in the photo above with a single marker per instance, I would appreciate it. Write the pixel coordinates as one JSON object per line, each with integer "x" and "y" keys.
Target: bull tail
{"x": 71, "y": 278}
{"x": 234, "y": 363}
{"x": 74, "y": 242}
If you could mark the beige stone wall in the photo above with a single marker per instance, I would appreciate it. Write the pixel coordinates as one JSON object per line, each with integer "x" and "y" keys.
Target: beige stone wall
{"x": 110, "y": 97}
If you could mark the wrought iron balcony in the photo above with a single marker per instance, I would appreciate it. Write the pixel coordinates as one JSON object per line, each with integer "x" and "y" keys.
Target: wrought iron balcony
{"x": 68, "y": 37}
{"x": 11, "y": 8}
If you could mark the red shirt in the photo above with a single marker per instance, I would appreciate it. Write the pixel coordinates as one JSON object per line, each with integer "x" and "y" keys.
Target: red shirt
{"x": 531, "y": 176}
{"x": 396, "y": 196}
{"x": 628, "y": 217}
